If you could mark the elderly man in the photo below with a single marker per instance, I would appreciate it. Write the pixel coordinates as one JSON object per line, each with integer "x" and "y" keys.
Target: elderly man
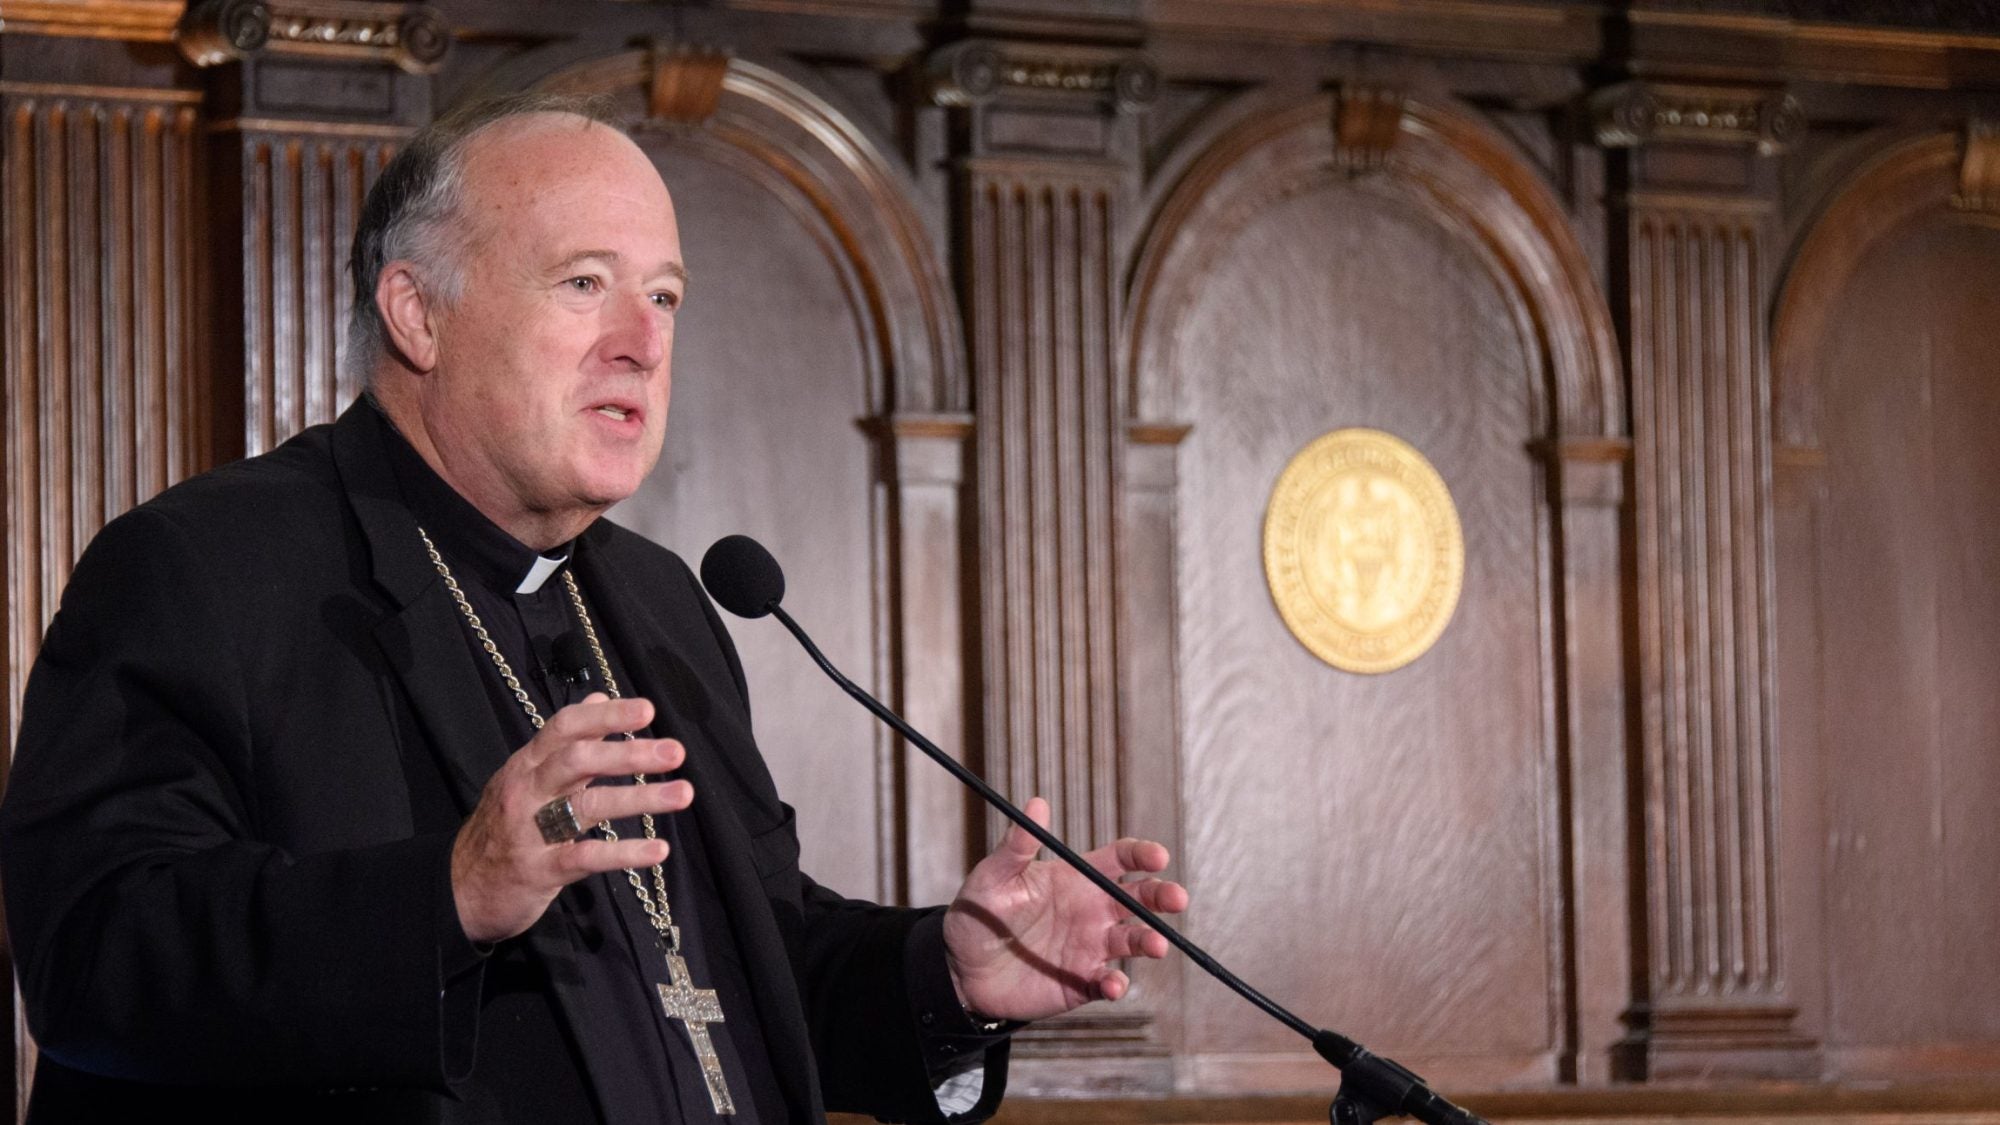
{"x": 297, "y": 826}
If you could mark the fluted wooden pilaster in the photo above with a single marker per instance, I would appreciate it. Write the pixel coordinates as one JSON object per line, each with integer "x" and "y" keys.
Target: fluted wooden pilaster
{"x": 1041, "y": 311}
{"x": 1702, "y": 420}
{"x": 301, "y": 196}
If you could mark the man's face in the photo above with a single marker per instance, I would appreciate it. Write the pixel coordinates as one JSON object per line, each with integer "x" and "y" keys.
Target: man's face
{"x": 548, "y": 401}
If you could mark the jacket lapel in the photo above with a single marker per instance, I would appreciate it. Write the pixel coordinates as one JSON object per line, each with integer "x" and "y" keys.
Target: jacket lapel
{"x": 421, "y": 639}
{"x": 649, "y": 643}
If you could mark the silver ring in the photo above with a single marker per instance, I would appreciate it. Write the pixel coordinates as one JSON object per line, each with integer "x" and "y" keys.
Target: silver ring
{"x": 557, "y": 821}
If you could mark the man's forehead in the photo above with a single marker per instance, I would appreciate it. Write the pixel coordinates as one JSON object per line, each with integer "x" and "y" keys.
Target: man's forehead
{"x": 553, "y": 150}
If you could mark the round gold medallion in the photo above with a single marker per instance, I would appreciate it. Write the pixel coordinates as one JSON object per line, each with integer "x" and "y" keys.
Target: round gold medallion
{"x": 1363, "y": 551}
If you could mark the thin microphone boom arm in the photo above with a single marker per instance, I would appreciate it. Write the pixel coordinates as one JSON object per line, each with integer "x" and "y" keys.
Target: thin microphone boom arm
{"x": 1048, "y": 839}
{"x": 1381, "y": 1087}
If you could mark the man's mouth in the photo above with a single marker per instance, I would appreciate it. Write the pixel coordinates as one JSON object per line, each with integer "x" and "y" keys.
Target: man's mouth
{"x": 614, "y": 413}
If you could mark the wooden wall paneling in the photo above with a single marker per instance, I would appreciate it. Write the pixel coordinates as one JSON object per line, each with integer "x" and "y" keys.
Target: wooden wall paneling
{"x": 787, "y": 132}
{"x": 1883, "y": 343}
{"x": 1695, "y": 268}
{"x": 1048, "y": 160}
{"x": 1512, "y": 256}
{"x": 310, "y": 100}
{"x": 103, "y": 402}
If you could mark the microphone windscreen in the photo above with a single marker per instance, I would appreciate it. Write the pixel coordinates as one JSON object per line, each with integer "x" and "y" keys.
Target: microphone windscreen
{"x": 570, "y": 656}
{"x": 742, "y": 576}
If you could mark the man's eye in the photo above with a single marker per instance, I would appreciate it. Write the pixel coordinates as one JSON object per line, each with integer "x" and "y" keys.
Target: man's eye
{"x": 582, "y": 284}
{"x": 666, "y": 301}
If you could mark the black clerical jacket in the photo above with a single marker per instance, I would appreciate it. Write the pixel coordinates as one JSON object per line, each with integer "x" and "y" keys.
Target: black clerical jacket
{"x": 222, "y": 894}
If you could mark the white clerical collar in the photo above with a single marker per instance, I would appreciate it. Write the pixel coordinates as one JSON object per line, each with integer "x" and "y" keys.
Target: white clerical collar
{"x": 539, "y": 573}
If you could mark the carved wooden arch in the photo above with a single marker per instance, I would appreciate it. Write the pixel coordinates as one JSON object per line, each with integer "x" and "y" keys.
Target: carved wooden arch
{"x": 1467, "y": 175}
{"x": 771, "y": 112}
{"x": 1903, "y": 180}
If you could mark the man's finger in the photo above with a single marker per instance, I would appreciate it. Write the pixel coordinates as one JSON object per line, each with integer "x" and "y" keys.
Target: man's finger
{"x": 613, "y": 802}
{"x": 1019, "y": 843}
{"x": 588, "y": 856}
{"x": 1134, "y": 939}
{"x": 597, "y": 716}
{"x": 1159, "y": 895}
{"x": 1130, "y": 854}
{"x": 578, "y": 764}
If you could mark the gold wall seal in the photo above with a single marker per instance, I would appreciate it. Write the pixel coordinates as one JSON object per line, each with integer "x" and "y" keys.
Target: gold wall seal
{"x": 1363, "y": 551}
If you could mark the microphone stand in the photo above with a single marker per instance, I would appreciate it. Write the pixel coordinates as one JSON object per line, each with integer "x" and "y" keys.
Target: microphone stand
{"x": 1371, "y": 1086}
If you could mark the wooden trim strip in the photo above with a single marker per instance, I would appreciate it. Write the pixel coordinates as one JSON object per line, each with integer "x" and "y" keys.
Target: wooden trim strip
{"x": 151, "y": 21}
{"x": 101, "y": 93}
{"x": 291, "y": 127}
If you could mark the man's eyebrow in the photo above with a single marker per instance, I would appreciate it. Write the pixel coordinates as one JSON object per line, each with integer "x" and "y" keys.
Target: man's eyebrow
{"x": 672, "y": 269}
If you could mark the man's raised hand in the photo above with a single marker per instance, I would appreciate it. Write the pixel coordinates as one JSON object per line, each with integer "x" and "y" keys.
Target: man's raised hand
{"x": 1027, "y": 939}
{"x": 504, "y": 873}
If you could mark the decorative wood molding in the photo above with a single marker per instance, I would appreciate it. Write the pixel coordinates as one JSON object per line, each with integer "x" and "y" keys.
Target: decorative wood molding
{"x": 414, "y": 37}
{"x": 143, "y": 21}
{"x": 1366, "y": 122}
{"x": 973, "y": 72}
{"x": 1979, "y": 171}
{"x": 686, "y": 82}
{"x": 1640, "y": 113}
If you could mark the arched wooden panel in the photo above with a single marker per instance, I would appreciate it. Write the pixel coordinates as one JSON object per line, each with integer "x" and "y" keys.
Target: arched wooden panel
{"x": 1888, "y": 390}
{"x": 1388, "y": 851}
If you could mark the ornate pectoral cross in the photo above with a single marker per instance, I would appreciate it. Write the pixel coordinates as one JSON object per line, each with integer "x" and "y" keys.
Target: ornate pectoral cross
{"x": 697, "y": 1008}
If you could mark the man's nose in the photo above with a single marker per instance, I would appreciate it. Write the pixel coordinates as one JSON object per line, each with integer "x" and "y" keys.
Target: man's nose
{"x": 636, "y": 336}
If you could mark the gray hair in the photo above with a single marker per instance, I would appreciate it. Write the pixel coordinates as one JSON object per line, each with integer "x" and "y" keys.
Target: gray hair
{"x": 409, "y": 214}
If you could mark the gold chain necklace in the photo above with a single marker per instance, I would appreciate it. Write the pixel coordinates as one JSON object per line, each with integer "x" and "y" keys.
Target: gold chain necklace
{"x": 695, "y": 1008}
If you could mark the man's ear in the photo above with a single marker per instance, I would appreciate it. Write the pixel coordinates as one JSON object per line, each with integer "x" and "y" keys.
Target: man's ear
{"x": 406, "y": 314}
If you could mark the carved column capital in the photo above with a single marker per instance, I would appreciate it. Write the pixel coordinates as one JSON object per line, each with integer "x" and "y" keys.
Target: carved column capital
{"x": 1979, "y": 169}
{"x": 1637, "y": 113}
{"x": 414, "y": 37}
{"x": 1366, "y": 122}
{"x": 684, "y": 82}
{"x": 972, "y": 72}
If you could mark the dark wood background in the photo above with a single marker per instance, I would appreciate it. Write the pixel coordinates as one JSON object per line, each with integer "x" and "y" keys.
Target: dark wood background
{"x": 1005, "y": 316}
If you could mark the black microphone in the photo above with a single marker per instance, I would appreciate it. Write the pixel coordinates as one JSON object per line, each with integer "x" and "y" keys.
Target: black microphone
{"x": 742, "y": 576}
{"x": 744, "y": 579}
{"x": 570, "y": 657}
